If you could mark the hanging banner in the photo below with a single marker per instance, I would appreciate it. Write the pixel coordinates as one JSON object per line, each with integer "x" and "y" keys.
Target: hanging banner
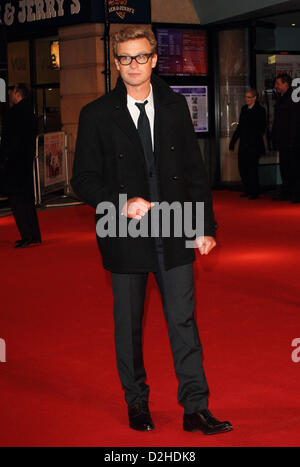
{"x": 22, "y": 15}
{"x": 124, "y": 11}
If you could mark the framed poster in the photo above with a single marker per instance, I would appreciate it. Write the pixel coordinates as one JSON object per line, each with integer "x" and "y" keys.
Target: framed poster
{"x": 54, "y": 160}
{"x": 196, "y": 97}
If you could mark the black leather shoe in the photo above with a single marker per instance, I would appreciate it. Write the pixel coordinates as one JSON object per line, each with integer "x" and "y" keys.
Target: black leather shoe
{"x": 139, "y": 417}
{"x": 205, "y": 422}
{"x": 26, "y": 243}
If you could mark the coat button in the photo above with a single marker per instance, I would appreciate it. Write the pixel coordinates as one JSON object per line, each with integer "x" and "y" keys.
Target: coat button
{"x": 175, "y": 177}
{"x": 122, "y": 186}
{"x": 121, "y": 156}
{"x": 172, "y": 148}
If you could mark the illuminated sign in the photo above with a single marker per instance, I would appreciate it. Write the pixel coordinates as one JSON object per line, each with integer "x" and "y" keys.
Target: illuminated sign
{"x": 20, "y": 14}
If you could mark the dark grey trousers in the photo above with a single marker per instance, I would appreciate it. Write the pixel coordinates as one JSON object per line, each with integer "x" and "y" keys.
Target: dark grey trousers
{"x": 177, "y": 291}
{"x": 25, "y": 215}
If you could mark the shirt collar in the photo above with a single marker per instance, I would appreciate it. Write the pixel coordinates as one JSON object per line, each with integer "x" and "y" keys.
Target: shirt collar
{"x": 149, "y": 98}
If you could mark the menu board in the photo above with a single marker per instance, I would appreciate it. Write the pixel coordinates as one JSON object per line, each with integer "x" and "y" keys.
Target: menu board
{"x": 197, "y": 100}
{"x": 182, "y": 52}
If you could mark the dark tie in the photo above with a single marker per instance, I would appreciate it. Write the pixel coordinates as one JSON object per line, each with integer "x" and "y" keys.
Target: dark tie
{"x": 145, "y": 134}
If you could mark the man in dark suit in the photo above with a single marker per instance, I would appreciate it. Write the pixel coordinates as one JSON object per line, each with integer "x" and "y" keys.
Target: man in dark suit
{"x": 139, "y": 141}
{"x": 250, "y": 131}
{"x": 285, "y": 133}
{"x": 17, "y": 154}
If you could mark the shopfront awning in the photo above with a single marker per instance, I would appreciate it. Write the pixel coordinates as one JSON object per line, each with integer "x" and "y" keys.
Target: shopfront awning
{"x": 33, "y": 15}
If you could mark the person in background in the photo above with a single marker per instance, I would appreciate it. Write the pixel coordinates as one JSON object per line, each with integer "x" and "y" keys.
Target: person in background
{"x": 250, "y": 132}
{"x": 16, "y": 158}
{"x": 286, "y": 139}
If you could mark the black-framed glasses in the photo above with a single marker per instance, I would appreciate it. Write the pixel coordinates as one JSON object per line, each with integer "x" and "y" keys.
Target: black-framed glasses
{"x": 141, "y": 59}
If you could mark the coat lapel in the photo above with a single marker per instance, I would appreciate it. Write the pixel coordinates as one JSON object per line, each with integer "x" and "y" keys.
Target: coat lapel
{"x": 122, "y": 116}
{"x": 162, "y": 116}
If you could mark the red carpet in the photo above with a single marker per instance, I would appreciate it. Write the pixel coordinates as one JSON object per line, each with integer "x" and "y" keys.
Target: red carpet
{"x": 59, "y": 385}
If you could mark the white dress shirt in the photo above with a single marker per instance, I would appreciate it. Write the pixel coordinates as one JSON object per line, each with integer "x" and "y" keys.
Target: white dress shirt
{"x": 149, "y": 109}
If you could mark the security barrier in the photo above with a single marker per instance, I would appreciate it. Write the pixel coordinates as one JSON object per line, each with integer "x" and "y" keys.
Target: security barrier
{"x": 51, "y": 170}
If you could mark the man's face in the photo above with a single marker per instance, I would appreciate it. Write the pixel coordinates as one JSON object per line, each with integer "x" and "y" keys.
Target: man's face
{"x": 135, "y": 74}
{"x": 15, "y": 97}
{"x": 249, "y": 99}
{"x": 280, "y": 86}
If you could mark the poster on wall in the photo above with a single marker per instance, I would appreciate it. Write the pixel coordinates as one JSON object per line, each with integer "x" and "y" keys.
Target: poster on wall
{"x": 54, "y": 161}
{"x": 196, "y": 97}
{"x": 288, "y": 64}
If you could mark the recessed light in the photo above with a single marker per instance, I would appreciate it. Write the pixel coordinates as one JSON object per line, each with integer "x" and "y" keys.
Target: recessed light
{"x": 293, "y": 24}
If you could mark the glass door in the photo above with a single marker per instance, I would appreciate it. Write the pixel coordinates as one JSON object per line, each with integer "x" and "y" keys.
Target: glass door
{"x": 233, "y": 81}
{"x": 31, "y": 62}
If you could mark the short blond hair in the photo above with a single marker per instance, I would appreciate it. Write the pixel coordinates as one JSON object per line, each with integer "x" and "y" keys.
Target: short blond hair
{"x": 253, "y": 92}
{"x": 133, "y": 32}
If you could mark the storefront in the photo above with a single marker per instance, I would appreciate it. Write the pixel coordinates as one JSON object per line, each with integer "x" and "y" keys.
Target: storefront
{"x": 252, "y": 54}
{"x": 57, "y": 47}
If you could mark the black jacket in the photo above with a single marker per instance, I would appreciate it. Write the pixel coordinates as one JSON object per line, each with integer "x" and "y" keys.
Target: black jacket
{"x": 109, "y": 160}
{"x": 17, "y": 150}
{"x": 250, "y": 130}
{"x": 286, "y": 125}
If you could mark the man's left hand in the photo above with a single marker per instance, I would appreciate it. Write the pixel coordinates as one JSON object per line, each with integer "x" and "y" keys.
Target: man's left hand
{"x": 205, "y": 244}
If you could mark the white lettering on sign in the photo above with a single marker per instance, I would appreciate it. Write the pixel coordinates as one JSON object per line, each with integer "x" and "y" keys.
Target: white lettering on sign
{"x": 30, "y": 14}
{"x": 22, "y": 11}
{"x": 75, "y": 7}
{"x": 60, "y": 7}
{"x": 9, "y": 14}
{"x": 36, "y": 10}
{"x": 39, "y": 10}
{"x": 50, "y": 13}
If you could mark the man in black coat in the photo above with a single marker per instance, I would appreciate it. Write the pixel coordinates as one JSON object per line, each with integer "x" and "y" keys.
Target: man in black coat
{"x": 250, "y": 132}
{"x": 139, "y": 141}
{"x": 17, "y": 154}
{"x": 285, "y": 134}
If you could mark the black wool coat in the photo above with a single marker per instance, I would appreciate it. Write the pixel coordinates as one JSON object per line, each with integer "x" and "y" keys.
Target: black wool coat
{"x": 17, "y": 150}
{"x": 109, "y": 160}
{"x": 286, "y": 125}
{"x": 250, "y": 130}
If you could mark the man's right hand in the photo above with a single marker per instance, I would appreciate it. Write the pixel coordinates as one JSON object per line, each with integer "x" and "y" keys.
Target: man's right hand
{"x": 136, "y": 208}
